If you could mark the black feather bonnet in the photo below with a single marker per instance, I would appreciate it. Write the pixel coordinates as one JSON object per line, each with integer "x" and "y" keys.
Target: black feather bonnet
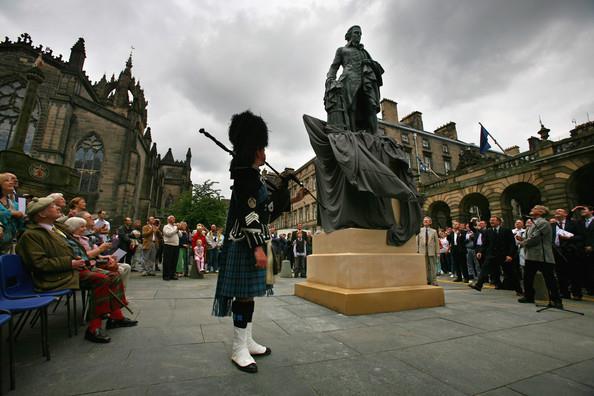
{"x": 247, "y": 133}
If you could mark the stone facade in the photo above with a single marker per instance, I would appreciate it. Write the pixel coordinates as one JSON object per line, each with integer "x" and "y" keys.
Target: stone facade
{"x": 557, "y": 174}
{"x": 99, "y": 131}
{"x": 465, "y": 184}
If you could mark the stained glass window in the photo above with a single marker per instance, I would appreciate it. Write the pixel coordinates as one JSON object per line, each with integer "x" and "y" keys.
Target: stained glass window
{"x": 12, "y": 95}
{"x": 87, "y": 161}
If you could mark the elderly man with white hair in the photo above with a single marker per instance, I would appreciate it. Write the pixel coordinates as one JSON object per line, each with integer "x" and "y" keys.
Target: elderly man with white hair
{"x": 428, "y": 246}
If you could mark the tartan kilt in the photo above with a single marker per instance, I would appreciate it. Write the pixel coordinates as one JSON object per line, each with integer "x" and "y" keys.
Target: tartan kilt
{"x": 238, "y": 277}
{"x": 99, "y": 282}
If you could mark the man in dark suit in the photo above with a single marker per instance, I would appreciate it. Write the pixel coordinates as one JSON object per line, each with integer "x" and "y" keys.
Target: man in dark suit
{"x": 568, "y": 252}
{"x": 498, "y": 248}
{"x": 587, "y": 222}
{"x": 457, "y": 241}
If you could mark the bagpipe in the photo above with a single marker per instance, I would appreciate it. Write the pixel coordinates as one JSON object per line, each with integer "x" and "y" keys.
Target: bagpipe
{"x": 284, "y": 176}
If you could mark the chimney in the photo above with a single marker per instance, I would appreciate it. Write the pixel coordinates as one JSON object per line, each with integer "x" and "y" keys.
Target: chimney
{"x": 414, "y": 120}
{"x": 389, "y": 110}
{"x": 512, "y": 151}
{"x": 448, "y": 130}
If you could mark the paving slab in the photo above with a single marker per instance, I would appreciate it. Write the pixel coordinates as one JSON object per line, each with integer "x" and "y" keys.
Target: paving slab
{"x": 546, "y": 339}
{"x": 479, "y": 343}
{"x": 582, "y": 372}
{"x": 380, "y": 374}
{"x": 475, "y": 363}
{"x": 549, "y": 384}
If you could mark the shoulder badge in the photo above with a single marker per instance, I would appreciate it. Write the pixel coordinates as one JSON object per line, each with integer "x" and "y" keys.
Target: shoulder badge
{"x": 251, "y": 202}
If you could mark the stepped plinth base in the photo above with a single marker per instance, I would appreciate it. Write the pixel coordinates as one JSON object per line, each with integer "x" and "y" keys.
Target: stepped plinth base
{"x": 374, "y": 300}
{"x": 354, "y": 272}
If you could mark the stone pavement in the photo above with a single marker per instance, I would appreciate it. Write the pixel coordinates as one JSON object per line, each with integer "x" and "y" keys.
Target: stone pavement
{"x": 479, "y": 343}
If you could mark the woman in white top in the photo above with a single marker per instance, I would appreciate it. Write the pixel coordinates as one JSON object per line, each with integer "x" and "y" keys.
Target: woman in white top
{"x": 444, "y": 254}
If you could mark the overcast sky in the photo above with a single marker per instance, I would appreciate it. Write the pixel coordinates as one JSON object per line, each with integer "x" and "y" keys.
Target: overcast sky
{"x": 501, "y": 62}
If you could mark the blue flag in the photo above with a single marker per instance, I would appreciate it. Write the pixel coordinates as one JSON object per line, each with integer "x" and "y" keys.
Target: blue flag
{"x": 484, "y": 140}
{"x": 422, "y": 166}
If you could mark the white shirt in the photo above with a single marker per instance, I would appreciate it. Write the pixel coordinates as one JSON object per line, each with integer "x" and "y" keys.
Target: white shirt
{"x": 170, "y": 235}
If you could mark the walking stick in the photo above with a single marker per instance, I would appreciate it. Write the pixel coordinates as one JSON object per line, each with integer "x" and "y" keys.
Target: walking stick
{"x": 120, "y": 301}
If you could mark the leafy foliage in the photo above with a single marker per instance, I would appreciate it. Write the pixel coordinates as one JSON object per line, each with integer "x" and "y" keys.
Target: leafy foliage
{"x": 204, "y": 204}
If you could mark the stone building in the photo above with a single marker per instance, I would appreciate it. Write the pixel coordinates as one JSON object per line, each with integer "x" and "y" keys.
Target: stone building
{"x": 463, "y": 183}
{"x": 557, "y": 174}
{"x": 61, "y": 132}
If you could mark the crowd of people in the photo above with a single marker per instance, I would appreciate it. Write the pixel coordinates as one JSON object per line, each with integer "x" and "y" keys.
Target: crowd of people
{"x": 63, "y": 246}
{"x": 478, "y": 252}
{"x": 294, "y": 247}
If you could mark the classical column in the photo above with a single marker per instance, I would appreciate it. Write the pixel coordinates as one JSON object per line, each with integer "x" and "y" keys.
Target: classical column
{"x": 34, "y": 78}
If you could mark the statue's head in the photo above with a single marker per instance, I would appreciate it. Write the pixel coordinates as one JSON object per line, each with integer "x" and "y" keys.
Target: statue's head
{"x": 356, "y": 29}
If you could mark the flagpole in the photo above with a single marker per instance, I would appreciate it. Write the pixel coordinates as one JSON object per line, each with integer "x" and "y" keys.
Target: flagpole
{"x": 495, "y": 141}
{"x": 417, "y": 155}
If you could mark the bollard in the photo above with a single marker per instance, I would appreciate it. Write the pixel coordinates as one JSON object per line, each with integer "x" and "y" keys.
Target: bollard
{"x": 286, "y": 269}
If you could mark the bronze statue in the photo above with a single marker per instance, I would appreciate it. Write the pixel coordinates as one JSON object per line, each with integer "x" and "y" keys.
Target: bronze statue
{"x": 360, "y": 173}
{"x": 352, "y": 100}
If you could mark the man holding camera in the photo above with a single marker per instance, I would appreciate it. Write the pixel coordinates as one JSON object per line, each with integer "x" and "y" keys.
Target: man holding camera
{"x": 170, "y": 248}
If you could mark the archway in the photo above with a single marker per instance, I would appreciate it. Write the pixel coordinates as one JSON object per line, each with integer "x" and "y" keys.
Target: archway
{"x": 439, "y": 211}
{"x": 474, "y": 205}
{"x": 579, "y": 186}
{"x": 517, "y": 200}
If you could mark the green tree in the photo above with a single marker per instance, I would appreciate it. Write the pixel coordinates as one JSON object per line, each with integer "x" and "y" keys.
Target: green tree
{"x": 204, "y": 204}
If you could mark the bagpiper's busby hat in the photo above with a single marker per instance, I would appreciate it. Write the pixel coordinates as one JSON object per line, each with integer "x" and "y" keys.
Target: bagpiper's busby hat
{"x": 247, "y": 133}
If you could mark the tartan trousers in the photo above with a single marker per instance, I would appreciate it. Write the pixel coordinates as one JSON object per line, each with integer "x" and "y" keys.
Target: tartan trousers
{"x": 99, "y": 282}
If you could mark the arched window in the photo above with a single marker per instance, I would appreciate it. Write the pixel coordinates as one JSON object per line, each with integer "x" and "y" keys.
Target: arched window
{"x": 87, "y": 161}
{"x": 12, "y": 95}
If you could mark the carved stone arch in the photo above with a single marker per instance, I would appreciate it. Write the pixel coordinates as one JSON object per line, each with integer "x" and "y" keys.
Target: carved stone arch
{"x": 474, "y": 204}
{"x": 517, "y": 200}
{"x": 440, "y": 214}
{"x": 579, "y": 186}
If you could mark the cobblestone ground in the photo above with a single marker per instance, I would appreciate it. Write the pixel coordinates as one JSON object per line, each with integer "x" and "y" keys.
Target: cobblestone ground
{"x": 479, "y": 343}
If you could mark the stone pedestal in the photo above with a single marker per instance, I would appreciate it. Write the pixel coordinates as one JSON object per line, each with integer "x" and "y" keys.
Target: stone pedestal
{"x": 354, "y": 272}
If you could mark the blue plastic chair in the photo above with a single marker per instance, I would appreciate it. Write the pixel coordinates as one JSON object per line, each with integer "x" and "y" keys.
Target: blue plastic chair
{"x": 6, "y": 318}
{"x": 26, "y": 306}
{"x": 16, "y": 283}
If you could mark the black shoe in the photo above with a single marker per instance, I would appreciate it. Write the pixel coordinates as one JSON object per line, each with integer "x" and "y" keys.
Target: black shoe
{"x": 267, "y": 352}
{"x": 466, "y": 281}
{"x": 525, "y": 300}
{"x": 114, "y": 324}
{"x": 565, "y": 296}
{"x": 174, "y": 278}
{"x": 555, "y": 304}
{"x": 498, "y": 287}
{"x": 458, "y": 280}
{"x": 166, "y": 279}
{"x": 250, "y": 368}
{"x": 475, "y": 287}
{"x": 97, "y": 336}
